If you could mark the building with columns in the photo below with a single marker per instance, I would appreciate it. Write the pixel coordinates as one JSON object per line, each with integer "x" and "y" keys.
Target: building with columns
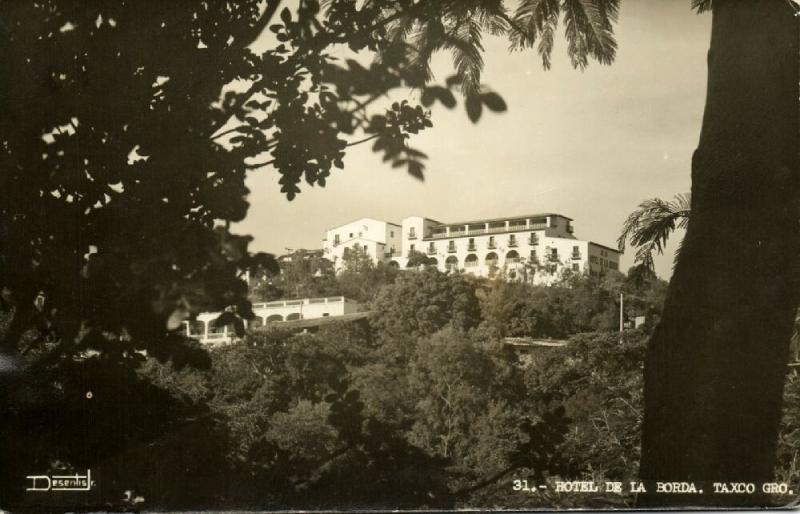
{"x": 205, "y": 330}
{"x": 536, "y": 247}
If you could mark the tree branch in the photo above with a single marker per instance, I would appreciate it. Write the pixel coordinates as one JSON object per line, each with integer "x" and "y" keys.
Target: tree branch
{"x": 272, "y": 161}
{"x": 225, "y": 133}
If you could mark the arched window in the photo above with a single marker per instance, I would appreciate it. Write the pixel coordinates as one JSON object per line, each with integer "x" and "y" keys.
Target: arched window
{"x": 433, "y": 262}
{"x": 274, "y": 317}
{"x": 471, "y": 261}
{"x": 512, "y": 257}
{"x": 394, "y": 264}
{"x": 293, "y": 316}
{"x": 451, "y": 264}
{"x": 491, "y": 259}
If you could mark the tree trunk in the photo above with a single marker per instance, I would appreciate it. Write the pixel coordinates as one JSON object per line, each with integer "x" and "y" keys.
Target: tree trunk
{"x": 716, "y": 363}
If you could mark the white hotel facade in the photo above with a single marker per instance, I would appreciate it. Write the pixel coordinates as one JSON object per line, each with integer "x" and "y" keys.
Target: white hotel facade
{"x": 536, "y": 246}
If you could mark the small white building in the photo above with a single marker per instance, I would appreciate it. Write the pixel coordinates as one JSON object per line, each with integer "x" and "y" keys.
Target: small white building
{"x": 379, "y": 239}
{"x": 204, "y": 330}
{"x": 537, "y": 247}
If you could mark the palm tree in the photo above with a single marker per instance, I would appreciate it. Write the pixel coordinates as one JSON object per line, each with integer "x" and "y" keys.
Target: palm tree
{"x": 457, "y": 26}
{"x": 650, "y": 225}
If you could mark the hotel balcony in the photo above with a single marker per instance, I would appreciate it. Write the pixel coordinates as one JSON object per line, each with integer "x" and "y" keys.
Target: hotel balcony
{"x": 431, "y": 250}
{"x": 451, "y": 249}
{"x": 533, "y": 241}
{"x": 461, "y": 231}
{"x": 472, "y": 248}
{"x": 576, "y": 255}
{"x": 512, "y": 243}
{"x": 491, "y": 245}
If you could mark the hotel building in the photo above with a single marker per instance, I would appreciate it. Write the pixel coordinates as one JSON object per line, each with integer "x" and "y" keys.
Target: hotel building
{"x": 536, "y": 247}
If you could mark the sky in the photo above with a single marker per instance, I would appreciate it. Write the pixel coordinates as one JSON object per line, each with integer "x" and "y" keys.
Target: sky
{"x": 590, "y": 145}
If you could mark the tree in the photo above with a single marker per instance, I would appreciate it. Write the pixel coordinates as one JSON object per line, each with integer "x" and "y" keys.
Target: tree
{"x": 416, "y": 259}
{"x": 360, "y": 278}
{"x": 421, "y": 303}
{"x": 300, "y": 275}
{"x": 597, "y": 378}
{"x": 715, "y": 366}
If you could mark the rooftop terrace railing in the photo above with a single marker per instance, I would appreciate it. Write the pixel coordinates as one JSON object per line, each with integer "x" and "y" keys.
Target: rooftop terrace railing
{"x": 491, "y": 230}
{"x": 292, "y": 303}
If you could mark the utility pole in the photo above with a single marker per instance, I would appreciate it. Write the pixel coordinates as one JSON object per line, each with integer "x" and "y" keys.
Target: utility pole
{"x": 621, "y": 310}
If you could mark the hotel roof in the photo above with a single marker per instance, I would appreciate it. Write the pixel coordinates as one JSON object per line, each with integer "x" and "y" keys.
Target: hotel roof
{"x": 504, "y": 218}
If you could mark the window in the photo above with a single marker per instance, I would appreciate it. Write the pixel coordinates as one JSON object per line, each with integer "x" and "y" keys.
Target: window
{"x": 351, "y": 235}
{"x": 534, "y": 239}
{"x": 336, "y": 239}
{"x": 431, "y": 248}
{"x": 391, "y": 233}
{"x": 325, "y": 314}
{"x": 554, "y": 252}
{"x": 451, "y": 247}
{"x": 491, "y": 242}
{"x": 410, "y": 248}
{"x": 471, "y": 244}
{"x": 512, "y": 240}
{"x": 576, "y": 266}
{"x": 412, "y": 233}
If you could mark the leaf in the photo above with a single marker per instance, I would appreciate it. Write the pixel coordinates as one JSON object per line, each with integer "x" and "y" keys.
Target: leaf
{"x": 286, "y": 15}
{"x": 428, "y": 96}
{"x": 433, "y": 93}
{"x": 474, "y": 108}
{"x": 415, "y": 170}
{"x": 494, "y": 102}
{"x": 453, "y": 80}
{"x": 354, "y": 65}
